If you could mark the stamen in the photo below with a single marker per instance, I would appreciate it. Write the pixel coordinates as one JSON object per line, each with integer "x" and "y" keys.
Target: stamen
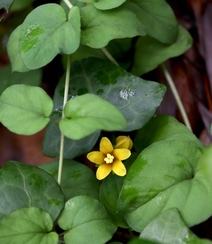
{"x": 109, "y": 158}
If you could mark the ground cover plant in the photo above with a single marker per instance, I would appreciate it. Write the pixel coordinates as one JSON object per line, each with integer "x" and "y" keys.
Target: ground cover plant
{"x": 118, "y": 167}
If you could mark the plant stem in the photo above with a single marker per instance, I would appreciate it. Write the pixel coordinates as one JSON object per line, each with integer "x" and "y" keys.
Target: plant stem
{"x": 176, "y": 96}
{"x": 68, "y": 3}
{"x": 62, "y": 138}
{"x": 109, "y": 56}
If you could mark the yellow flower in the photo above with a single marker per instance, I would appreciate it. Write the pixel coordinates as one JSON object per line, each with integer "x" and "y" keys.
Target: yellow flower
{"x": 124, "y": 142}
{"x": 109, "y": 159}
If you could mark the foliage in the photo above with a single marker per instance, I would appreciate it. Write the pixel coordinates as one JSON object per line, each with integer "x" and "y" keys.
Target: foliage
{"x": 168, "y": 170}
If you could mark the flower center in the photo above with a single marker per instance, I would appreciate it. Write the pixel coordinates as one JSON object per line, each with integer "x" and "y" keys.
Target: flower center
{"x": 109, "y": 158}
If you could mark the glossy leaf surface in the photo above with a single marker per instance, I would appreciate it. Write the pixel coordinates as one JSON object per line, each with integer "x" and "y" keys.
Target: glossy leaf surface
{"x": 24, "y": 185}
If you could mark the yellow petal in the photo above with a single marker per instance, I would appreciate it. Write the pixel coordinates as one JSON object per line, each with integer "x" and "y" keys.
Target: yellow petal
{"x": 106, "y": 146}
{"x": 124, "y": 142}
{"x": 121, "y": 154}
{"x": 103, "y": 171}
{"x": 96, "y": 157}
{"x": 119, "y": 168}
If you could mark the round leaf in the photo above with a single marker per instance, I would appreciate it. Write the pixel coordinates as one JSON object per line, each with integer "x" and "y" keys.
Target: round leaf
{"x": 45, "y": 32}
{"x": 24, "y": 109}
{"x": 86, "y": 216}
{"x": 24, "y": 185}
{"x": 28, "y": 226}
{"x": 165, "y": 176}
{"x": 84, "y": 115}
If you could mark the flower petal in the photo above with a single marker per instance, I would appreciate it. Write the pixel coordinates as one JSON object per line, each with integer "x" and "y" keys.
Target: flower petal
{"x": 121, "y": 154}
{"x": 103, "y": 171}
{"x": 105, "y": 145}
{"x": 124, "y": 142}
{"x": 119, "y": 168}
{"x": 96, "y": 157}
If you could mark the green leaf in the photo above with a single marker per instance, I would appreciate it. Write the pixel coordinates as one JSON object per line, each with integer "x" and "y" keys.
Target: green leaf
{"x": 28, "y": 226}
{"x": 46, "y": 32}
{"x": 7, "y": 78}
{"x": 141, "y": 241}
{"x": 157, "y": 17}
{"x": 86, "y": 216}
{"x": 163, "y": 127}
{"x": 84, "y": 115}
{"x": 24, "y": 185}
{"x": 25, "y": 109}
{"x": 108, "y": 4}
{"x": 6, "y": 4}
{"x": 109, "y": 193}
{"x": 14, "y": 53}
{"x": 51, "y": 142}
{"x": 124, "y": 90}
{"x": 20, "y": 5}
{"x": 149, "y": 52}
{"x": 100, "y": 27}
{"x": 166, "y": 175}
{"x": 168, "y": 227}
{"x": 77, "y": 179}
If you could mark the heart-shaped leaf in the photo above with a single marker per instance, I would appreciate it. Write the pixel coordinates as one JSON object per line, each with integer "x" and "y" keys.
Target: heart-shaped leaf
{"x": 86, "y": 216}
{"x": 28, "y": 226}
{"x": 24, "y": 109}
{"x": 87, "y": 113}
{"x": 150, "y": 52}
{"x": 45, "y": 32}
{"x": 24, "y": 185}
{"x": 100, "y": 27}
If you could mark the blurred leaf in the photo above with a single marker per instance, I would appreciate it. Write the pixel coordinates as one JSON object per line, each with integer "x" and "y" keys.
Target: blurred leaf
{"x": 86, "y": 216}
{"x": 98, "y": 26}
{"x": 124, "y": 90}
{"x": 24, "y": 109}
{"x": 168, "y": 227}
{"x": 24, "y": 185}
{"x": 157, "y": 17}
{"x": 28, "y": 226}
{"x": 7, "y": 78}
{"x": 19, "y": 5}
{"x": 84, "y": 115}
{"x": 41, "y": 36}
{"x": 6, "y": 4}
{"x": 150, "y": 52}
{"x": 77, "y": 179}
{"x": 108, "y": 4}
{"x": 141, "y": 241}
